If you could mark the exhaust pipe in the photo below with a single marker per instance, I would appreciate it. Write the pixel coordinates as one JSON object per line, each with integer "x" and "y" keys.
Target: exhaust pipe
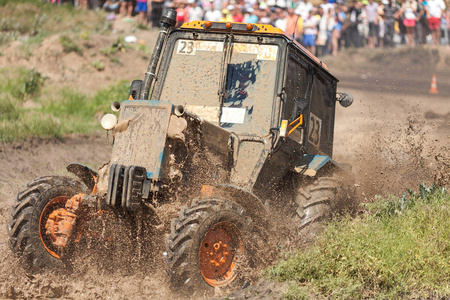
{"x": 169, "y": 19}
{"x": 178, "y": 110}
{"x": 115, "y": 106}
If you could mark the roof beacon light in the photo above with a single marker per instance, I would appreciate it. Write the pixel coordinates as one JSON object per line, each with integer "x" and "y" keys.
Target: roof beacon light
{"x": 208, "y": 24}
{"x": 249, "y": 26}
{"x": 229, "y": 25}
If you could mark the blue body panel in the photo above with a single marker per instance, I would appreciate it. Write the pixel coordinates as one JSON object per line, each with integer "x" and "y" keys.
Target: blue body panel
{"x": 310, "y": 164}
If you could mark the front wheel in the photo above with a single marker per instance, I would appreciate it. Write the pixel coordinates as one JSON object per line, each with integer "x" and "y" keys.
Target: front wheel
{"x": 28, "y": 235}
{"x": 210, "y": 245}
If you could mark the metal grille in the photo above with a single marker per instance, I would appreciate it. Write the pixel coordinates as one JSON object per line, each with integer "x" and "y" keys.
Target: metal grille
{"x": 142, "y": 143}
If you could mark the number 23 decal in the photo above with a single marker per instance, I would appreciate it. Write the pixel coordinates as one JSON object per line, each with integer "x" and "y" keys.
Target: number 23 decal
{"x": 186, "y": 47}
{"x": 315, "y": 127}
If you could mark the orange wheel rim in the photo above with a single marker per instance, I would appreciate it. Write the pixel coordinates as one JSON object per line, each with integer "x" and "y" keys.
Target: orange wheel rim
{"x": 54, "y": 204}
{"x": 218, "y": 254}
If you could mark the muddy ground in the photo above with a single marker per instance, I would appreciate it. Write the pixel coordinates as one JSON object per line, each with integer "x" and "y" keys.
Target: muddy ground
{"x": 396, "y": 135}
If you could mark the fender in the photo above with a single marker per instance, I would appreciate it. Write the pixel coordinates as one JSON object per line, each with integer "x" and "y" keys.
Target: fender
{"x": 310, "y": 164}
{"x": 86, "y": 174}
{"x": 249, "y": 201}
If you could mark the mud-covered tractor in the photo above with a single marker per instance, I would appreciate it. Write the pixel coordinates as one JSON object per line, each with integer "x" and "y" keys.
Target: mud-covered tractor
{"x": 236, "y": 110}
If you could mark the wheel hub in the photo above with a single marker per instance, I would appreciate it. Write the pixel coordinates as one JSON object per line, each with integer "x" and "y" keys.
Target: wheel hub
{"x": 56, "y": 223}
{"x": 218, "y": 254}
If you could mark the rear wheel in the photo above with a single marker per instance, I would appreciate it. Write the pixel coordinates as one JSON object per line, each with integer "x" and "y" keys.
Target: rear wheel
{"x": 28, "y": 235}
{"x": 317, "y": 198}
{"x": 209, "y": 245}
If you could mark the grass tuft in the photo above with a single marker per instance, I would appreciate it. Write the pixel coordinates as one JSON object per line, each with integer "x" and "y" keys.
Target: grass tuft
{"x": 399, "y": 249}
{"x": 69, "y": 45}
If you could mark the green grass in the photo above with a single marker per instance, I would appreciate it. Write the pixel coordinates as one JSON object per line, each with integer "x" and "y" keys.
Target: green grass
{"x": 399, "y": 249}
{"x": 34, "y": 18}
{"x": 29, "y": 108}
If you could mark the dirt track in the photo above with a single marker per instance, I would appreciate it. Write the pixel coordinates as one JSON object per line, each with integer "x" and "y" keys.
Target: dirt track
{"x": 396, "y": 135}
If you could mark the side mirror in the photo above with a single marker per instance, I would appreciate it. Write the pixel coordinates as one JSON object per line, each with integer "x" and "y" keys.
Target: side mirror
{"x": 345, "y": 99}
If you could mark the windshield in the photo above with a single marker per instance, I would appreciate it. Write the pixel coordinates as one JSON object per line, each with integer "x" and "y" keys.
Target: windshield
{"x": 195, "y": 77}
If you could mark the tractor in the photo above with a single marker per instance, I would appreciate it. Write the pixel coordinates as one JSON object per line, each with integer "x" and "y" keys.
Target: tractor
{"x": 226, "y": 114}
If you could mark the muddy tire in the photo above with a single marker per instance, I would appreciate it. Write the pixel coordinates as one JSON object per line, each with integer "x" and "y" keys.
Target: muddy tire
{"x": 30, "y": 212}
{"x": 317, "y": 199}
{"x": 207, "y": 244}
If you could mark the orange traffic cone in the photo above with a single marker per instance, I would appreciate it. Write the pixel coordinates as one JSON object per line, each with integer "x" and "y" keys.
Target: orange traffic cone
{"x": 433, "y": 89}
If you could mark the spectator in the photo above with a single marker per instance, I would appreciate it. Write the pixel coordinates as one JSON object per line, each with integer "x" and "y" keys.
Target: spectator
{"x": 111, "y": 6}
{"x": 226, "y": 16}
{"x": 181, "y": 14}
{"x": 363, "y": 25}
{"x": 447, "y": 19}
{"x": 81, "y": 3}
{"x": 299, "y": 33}
{"x": 303, "y": 9}
{"x": 281, "y": 21}
{"x": 390, "y": 14}
{"x": 141, "y": 9}
{"x": 156, "y": 11}
{"x": 409, "y": 9}
{"x": 310, "y": 31}
{"x": 213, "y": 15}
{"x": 435, "y": 9}
{"x": 236, "y": 13}
{"x": 194, "y": 12}
{"x": 339, "y": 18}
{"x": 322, "y": 35}
{"x": 372, "y": 19}
{"x": 421, "y": 23}
{"x": 291, "y": 21}
{"x": 126, "y": 8}
{"x": 381, "y": 27}
{"x": 352, "y": 34}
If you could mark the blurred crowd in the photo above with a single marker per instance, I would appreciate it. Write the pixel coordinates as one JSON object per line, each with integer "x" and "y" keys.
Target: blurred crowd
{"x": 322, "y": 26}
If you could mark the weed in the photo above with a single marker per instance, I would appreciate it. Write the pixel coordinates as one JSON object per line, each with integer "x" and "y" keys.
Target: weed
{"x": 143, "y": 48}
{"x": 33, "y": 83}
{"x": 9, "y": 111}
{"x": 69, "y": 45}
{"x": 118, "y": 45}
{"x": 396, "y": 206}
{"x": 37, "y": 24}
{"x": 98, "y": 65}
{"x": 142, "y": 26}
{"x": 22, "y": 83}
{"x": 85, "y": 35}
{"x": 114, "y": 60}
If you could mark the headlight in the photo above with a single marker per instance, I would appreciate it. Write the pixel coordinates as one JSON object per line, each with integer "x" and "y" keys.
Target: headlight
{"x": 109, "y": 121}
